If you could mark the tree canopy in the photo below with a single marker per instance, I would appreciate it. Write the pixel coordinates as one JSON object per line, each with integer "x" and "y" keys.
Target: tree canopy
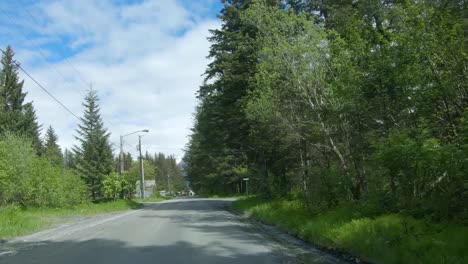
{"x": 336, "y": 101}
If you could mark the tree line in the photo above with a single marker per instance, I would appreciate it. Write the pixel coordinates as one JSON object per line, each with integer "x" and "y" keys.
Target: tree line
{"x": 334, "y": 102}
{"x": 35, "y": 172}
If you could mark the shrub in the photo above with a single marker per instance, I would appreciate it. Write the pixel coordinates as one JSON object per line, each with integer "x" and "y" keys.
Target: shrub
{"x": 29, "y": 180}
{"x": 115, "y": 186}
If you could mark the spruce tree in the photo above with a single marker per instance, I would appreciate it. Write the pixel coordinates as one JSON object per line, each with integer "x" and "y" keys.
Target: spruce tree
{"x": 30, "y": 127}
{"x": 16, "y": 115}
{"x": 69, "y": 159}
{"x": 128, "y": 160}
{"x": 52, "y": 150}
{"x": 94, "y": 153}
{"x": 11, "y": 90}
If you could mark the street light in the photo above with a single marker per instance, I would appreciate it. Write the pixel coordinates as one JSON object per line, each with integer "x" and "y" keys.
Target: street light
{"x": 121, "y": 147}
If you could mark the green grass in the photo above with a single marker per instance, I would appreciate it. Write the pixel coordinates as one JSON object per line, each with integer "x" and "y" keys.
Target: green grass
{"x": 16, "y": 221}
{"x": 389, "y": 238}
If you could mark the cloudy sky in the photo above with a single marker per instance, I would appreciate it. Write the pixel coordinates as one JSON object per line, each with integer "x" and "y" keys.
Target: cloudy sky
{"x": 144, "y": 57}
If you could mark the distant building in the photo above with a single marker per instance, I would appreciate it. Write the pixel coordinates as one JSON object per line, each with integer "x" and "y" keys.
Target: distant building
{"x": 150, "y": 185}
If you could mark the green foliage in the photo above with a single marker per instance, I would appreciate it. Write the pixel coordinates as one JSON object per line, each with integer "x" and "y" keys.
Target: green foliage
{"x": 393, "y": 238}
{"x": 116, "y": 186}
{"x": 337, "y": 102}
{"x": 94, "y": 158}
{"x": 16, "y": 115}
{"x": 356, "y": 111}
{"x": 69, "y": 159}
{"x": 220, "y": 135}
{"x": 168, "y": 174}
{"x": 133, "y": 175}
{"x": 34, "y": 181}
{"x": 16, "y": 221}
{"x": 52, "y": 151}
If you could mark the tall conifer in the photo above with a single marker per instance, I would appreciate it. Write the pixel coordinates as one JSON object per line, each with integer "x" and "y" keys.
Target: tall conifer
{"x": 94, "y": 153}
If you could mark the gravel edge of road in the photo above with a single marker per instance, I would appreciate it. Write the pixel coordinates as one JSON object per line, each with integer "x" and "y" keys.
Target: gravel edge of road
{"x": 305, "y": 250}
{"x": 58, "y": 230}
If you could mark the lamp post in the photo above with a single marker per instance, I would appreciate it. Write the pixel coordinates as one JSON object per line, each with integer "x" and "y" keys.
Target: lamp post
{"x": 121, "y": 147}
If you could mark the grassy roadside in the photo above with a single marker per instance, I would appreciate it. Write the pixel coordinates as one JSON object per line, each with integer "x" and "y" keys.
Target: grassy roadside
{"x": 390, "y": 238}
{"x": 16, "y": 221}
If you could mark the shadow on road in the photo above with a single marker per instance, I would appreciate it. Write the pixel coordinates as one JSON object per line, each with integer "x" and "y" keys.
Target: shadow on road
{"x": 204, "y": 219}
{"x": 197, "y": 204}
{"x": 117, "y": 252}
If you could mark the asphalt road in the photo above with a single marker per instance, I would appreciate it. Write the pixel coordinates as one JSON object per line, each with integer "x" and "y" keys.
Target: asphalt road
{"x": 175, "y": 231}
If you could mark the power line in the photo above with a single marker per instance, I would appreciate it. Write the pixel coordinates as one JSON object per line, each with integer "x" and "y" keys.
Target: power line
{"x": 42, "y": 54}
{"x": 45, "y": 89}
{"x": 79, "y": 74}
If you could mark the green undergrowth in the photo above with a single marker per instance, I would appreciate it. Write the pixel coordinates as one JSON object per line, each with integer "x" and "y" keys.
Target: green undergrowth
{"x": 16, "y": 220}
{"x": 379, "y": 238}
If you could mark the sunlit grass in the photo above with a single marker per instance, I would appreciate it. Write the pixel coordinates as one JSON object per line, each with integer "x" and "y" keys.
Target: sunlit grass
{"x": 15, "y": 220}
{"x": 390, "y": 238}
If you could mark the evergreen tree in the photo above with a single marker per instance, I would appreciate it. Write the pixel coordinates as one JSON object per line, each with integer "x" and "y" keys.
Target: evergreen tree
{"x": 52, "y": 150}
{"x": 94, "y": 154}
{"x": 16, "y": 115}
{"x": 11, "y": 90}
{"x": 221, "y": 125}
{"x": 336, "y": 101}
{"x": 69, "y": 159}
{"x": 31, "y": 128}
{"x": 128, "y": 161}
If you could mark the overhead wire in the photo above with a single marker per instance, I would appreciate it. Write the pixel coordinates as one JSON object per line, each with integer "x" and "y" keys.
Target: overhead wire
{"x": 79, "y": 74}
{"x": 45, "y": 89}
{"x": 39, "y": 51}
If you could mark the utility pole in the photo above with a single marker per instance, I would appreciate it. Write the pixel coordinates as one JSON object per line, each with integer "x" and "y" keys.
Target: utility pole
{"x": 142, "y": 171}
{"x": 121, "y": 148}
{"x": 168, "y": 189}
{"x": 121, "y": 155}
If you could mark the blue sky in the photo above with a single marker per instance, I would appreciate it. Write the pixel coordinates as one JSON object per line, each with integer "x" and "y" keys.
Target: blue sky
{"x": 145, "y": 59}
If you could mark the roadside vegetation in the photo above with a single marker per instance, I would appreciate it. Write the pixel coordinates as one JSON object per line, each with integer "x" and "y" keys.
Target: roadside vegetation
{"x": 349, "y": 117}
{"x": 40, "y": 185}
{"x": 17, "y": 220}
{"x": 365, "y": 231}
{"x": 155, "y": 197}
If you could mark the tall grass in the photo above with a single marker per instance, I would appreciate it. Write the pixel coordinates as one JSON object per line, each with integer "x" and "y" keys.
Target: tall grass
{"x": 388, "y": 238}
{"x": 16, "y": 221}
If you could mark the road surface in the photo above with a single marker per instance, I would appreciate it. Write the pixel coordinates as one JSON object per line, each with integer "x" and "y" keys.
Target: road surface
{"x": 175, "y": 231}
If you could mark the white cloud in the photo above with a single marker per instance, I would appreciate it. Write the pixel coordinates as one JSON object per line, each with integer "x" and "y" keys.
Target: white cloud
{"x": 145, "y": 60}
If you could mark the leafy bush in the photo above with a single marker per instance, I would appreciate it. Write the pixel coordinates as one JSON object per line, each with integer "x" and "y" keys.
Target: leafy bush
{"x": 421, "y": 169}
{"x": 16, "y": 162}
{"x": 115, "y": 186}
{"x": 29, "y": 180}
{"x": 382, "y": 238}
